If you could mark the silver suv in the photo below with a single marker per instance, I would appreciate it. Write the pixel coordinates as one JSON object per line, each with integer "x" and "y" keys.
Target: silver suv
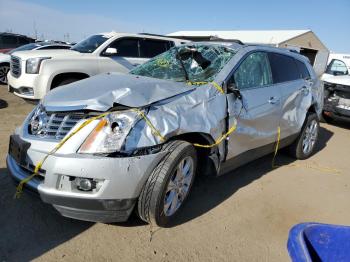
{"x": 105, "y": 146}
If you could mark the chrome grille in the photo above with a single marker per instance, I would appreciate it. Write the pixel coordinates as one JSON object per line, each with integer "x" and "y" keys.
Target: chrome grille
{"x": 56, "y": 125}
{"x": 15, "y": 66}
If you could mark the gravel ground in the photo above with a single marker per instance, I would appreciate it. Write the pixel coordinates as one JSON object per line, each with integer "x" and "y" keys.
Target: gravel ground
{"x": 241, "y": 216}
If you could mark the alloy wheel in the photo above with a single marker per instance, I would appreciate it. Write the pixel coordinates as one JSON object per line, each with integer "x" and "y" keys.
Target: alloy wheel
{"x": 310, "y": 137}
{"x": 3, "y": 74}
{"x": 178, "y": 186}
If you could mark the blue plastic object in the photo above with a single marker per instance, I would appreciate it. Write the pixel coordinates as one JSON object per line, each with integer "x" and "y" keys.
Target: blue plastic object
{"x": 309, "y": 242}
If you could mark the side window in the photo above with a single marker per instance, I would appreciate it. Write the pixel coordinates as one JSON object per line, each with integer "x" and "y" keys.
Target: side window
{"x": 337, "y": 67}
{"x": 54, "y": 47}
{"x": 150, "y": 48}
{"x": 254, "y": 71}
{"x": 128, "y": 47}
{"x": 283, "y": 68}
{"x": 304, "y": 72}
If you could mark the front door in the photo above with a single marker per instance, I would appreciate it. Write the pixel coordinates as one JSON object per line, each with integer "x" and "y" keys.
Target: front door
{"x": 126, "y": 58}
{"x": 258, "y": 111}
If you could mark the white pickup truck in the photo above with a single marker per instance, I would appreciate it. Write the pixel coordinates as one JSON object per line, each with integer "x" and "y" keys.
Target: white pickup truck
{"x": 337, "y": 88}
{"x": 33, "y": 74}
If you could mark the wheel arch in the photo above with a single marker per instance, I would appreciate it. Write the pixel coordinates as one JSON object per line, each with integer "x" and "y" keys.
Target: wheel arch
{"x": 208, "y": 157}
{"x": 61, "y": 76}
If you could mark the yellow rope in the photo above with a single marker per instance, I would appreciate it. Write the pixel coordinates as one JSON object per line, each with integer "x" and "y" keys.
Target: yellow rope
{"x": 276, "y": 148}
{"x": 154, "y": 130}
{"x": 214, "y": 84}
{"x": 38, "y": 166}
{"x": 218, "y": 141}
{"x": 318, "y": 168}
{"x": 157, "y": 133}
{"x": 314, "y": 167}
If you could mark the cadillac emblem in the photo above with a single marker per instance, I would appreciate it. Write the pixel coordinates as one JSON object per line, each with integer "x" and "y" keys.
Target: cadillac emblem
{"x": 37, "y": 122}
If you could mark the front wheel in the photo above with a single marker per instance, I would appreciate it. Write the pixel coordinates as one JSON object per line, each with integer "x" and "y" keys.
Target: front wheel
{"x": 4, "y": 69}
{"x": 304, "y": 145}
{"x": 169, "y": 185}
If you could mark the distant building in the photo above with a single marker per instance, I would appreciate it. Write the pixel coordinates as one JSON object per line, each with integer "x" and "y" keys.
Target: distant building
{"x": 304, "y": 41}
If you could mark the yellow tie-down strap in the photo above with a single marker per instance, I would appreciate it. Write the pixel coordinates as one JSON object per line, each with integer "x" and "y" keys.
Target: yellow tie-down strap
{"x": 214, "y": 84}
{"x": 154, "y": 130}
{"x": 157, "y": 133}
{"x": 38, "y": 166}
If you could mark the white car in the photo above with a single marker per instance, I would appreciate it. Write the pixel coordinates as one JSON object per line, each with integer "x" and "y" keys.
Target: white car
{"x": 6, "y": 57}
{"x": 35, "y": 73}
{"x": 337, "y": 88}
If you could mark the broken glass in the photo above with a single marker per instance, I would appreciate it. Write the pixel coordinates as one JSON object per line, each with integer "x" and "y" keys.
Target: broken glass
{"x": 201, "y": 62}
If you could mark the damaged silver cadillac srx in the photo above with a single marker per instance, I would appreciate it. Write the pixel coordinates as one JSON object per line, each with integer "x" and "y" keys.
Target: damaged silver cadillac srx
{"x": 105, "y": 146}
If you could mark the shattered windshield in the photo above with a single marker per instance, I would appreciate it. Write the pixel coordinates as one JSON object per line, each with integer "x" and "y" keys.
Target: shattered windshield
{"x": 90, "y": 44}
{"x": 195, "y": 63}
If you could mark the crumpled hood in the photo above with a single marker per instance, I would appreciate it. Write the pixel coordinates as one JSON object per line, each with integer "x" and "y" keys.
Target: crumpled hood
{"x": 103, "y": 91}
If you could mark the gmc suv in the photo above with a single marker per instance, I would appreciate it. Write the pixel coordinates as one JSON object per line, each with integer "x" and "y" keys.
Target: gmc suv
{"x": 35, "y": 73}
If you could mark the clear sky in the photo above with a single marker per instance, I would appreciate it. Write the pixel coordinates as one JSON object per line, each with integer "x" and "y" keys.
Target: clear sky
{"x": 53, "y": 19}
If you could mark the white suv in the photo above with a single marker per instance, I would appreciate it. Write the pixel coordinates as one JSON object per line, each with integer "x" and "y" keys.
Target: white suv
{"x": 35, "y": 73}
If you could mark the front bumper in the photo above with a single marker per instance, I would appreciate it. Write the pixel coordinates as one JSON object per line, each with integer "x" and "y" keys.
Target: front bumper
{"x": 335, "y": 110}
{"x": 29, "y": 86}
{"x": 113, "y": 202}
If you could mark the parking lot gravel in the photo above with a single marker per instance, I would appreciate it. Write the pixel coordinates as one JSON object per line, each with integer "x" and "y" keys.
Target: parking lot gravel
{"x": 244, "y": 215}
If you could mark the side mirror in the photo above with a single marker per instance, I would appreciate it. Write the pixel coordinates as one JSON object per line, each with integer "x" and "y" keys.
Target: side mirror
{"x": 232, "y": 88}
{"x": 111, "y": 51}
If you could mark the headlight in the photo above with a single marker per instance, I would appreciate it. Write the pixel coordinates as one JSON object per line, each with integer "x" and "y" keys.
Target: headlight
{"x": 33, "y": 64}
{"x": 110, "y": 133}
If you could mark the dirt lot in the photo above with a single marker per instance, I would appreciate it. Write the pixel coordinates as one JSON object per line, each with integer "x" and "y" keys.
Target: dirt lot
{"x": 241, "y": 216}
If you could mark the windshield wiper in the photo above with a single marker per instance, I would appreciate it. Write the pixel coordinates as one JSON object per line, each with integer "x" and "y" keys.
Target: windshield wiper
{"x": 178, "y": 57}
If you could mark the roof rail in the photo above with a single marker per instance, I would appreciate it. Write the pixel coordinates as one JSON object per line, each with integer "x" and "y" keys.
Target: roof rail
{"x": 218, "y": 39}
{"x": 149, "y": 34}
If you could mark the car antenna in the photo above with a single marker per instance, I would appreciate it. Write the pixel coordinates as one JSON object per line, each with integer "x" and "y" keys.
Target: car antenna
{"x": 182, "y": 64}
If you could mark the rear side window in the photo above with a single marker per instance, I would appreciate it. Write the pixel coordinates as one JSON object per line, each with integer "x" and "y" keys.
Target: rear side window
{"x": 304, "y": 72}
{"x": 254, "y": 71}
{"x": 283, "y": 68}
{"x": 151, "y": 48}
{"x": 128, "y": 47}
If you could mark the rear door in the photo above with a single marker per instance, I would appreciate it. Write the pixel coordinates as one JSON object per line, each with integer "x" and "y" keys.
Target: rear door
{"x": 258, "y": 111}
{"x": 150, "y": 47}
{"x": 293, "y": 79}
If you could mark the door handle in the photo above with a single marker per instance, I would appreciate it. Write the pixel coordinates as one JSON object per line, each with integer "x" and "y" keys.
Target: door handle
{"x": 135, "y": 64}
{"x": 304, "y": 89}
{"x": 273, "y": 100}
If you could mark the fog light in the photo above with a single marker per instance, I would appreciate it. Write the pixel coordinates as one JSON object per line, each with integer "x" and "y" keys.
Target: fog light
{"x": 85, "y": 184}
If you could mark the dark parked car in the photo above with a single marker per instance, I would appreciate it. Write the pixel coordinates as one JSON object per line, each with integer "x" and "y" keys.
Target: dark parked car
{"x": 10, "y": 41}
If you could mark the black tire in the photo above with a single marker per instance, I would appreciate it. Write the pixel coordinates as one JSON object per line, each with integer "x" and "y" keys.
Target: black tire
{"x": 326, "y": 119}
{"x": 151, "y": 202}
{"x": 4, "y": 69}
{"x": 296, "y": 149}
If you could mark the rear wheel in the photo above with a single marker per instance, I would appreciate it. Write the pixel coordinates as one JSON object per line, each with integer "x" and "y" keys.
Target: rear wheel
{"x": 4, "y": 69}
{"x": 304, "y": 145}
{"x": 169, "y": 185}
